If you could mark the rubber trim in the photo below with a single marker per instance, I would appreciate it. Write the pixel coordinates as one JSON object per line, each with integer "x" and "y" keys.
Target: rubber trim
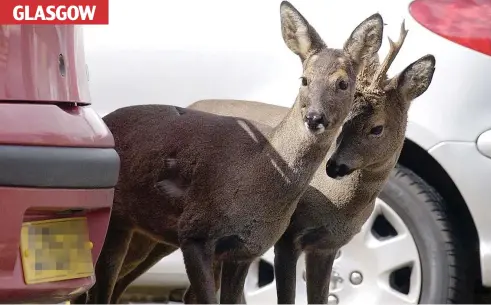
{"x": 58, "y": 167}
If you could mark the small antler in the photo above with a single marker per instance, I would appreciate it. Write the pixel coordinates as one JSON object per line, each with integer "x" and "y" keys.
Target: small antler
{"x": 394, "y": 49}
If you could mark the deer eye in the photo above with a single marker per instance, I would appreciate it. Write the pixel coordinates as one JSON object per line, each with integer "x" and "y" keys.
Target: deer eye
{"x": 343, "y": 85}
{"x": 304, "y": 81}
{"x": 377, "y": 130}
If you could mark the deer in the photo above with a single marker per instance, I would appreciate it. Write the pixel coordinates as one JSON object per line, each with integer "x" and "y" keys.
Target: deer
{"x": 342, "y": 194}
{"x": 222, "y": 188}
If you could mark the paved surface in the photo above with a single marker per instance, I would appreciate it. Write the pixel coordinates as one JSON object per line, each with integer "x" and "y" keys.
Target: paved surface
{"x": 482, "y": 297}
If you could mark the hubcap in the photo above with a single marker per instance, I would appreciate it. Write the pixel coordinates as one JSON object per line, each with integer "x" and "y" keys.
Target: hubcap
{"x": 380, "y": 265}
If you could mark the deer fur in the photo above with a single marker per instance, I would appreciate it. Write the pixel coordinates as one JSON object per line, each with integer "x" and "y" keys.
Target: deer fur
{"x": 223, "y": 188}
{"x": 331, "y": 211}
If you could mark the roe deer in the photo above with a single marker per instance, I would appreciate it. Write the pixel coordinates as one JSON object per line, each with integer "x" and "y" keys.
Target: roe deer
{"x": 331, "y": 212}
{"x": 220, "y": 187}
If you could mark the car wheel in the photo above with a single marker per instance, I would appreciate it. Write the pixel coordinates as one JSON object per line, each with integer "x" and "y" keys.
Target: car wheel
{"x": 406, "y": 253}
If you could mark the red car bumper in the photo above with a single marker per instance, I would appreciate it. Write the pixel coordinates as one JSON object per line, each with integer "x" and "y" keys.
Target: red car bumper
{"x": 14, "y": 203}
{"x": 55, "y": 162}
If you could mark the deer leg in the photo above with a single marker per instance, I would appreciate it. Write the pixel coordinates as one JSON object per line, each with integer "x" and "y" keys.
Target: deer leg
{"x": 319, "y": 267}
{"x": 217, "y": 274}
{"x": 190, "y": 296}
{"x": 285, "y": 269}
{"x": 198, "y": 259}
{"x": 233, "y": 279}
{"x": 140, "y": 248}
{"x": 109, "y": 264}
{"x": 242, "y": 299}
{"x": 158, "y": 252}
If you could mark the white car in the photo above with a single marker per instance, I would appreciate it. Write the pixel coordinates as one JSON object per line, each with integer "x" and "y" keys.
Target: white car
{"x": 429, "y": 239}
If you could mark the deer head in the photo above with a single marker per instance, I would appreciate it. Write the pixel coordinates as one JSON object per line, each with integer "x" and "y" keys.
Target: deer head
{"x": 329, "y": 75}
{"x": 374, "y": 131}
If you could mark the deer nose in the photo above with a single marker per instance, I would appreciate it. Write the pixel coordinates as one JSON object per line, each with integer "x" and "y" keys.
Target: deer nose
{"x": 335, "y": 170}
{"x": 314, "y": 120}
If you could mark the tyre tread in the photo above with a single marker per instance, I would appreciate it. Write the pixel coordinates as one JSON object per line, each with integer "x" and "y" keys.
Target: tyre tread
{"x": 461, "y": 286}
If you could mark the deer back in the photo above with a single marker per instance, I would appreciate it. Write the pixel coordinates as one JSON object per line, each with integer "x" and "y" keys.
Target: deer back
{"x": 149, "y": 138}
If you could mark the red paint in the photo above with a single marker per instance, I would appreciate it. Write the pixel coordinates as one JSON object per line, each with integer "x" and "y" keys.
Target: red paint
{"x": 44, "y": 124}
{"x": 30, "y": 64}
{"x": 14, "y": 202}
{"x": 54, "y": 12}
{"x": 466, "y": 22}
{"x": 44, "y": 106}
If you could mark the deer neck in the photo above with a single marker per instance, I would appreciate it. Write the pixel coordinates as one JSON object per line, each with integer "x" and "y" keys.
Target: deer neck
{"x": 358, "y": 191}
{"x": 299, "y": 149}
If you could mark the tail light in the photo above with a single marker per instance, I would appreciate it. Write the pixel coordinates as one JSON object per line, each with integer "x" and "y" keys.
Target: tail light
{"x": 466, "y": 22}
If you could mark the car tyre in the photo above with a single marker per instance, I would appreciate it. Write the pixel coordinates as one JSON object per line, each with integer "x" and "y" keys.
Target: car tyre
{"x": 447, "y": 276}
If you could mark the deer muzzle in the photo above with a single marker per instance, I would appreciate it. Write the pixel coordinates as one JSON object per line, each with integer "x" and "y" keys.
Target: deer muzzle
{"x": 336, "y": 170}
{"x": 315, "y": 122}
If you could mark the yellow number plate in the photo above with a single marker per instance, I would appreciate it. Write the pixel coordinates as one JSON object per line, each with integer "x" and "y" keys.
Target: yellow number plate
{"x": 55, "y": 250}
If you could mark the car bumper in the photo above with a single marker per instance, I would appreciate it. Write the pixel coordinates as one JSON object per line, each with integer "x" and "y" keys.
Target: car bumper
{"x": 57, "y": 162}
{"x": 27, "y": 204}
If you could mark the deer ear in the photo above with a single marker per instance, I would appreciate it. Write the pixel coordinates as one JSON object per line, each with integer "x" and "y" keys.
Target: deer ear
{"x": 416, "y": 78}
{"x": 298, "y": 34}
{"x": 365, "y": 40}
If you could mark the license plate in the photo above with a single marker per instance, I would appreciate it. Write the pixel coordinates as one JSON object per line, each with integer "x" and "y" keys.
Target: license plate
{"x": 55, "y": 250}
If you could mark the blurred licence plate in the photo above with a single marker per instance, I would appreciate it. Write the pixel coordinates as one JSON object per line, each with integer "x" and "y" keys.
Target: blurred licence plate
{"x": 55, "y": 250}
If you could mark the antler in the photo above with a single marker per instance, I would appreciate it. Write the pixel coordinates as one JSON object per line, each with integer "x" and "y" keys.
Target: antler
{"x": 394, "y": 49}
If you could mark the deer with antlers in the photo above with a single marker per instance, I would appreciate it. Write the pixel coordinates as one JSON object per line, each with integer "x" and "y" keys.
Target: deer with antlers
{"x": 223, "y": 188}
{"x": 335, "y": 206}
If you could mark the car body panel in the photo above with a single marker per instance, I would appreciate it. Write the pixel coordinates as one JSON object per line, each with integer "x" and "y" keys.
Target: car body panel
{"x": 470, "y": 170}
{"x": 30, "y": 64}
{"x": 53, "y": 125}
{"x": 235, "y": 50}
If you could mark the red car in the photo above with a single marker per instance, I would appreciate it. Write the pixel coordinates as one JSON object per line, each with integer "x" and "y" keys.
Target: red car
{"x": 58, "y": 167}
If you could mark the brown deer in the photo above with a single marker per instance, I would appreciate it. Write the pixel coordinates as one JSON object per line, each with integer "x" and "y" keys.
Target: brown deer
{"x": 334, "y": 207}
{"x": 332, "y": 211}
{"x": 224, "y": 188}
